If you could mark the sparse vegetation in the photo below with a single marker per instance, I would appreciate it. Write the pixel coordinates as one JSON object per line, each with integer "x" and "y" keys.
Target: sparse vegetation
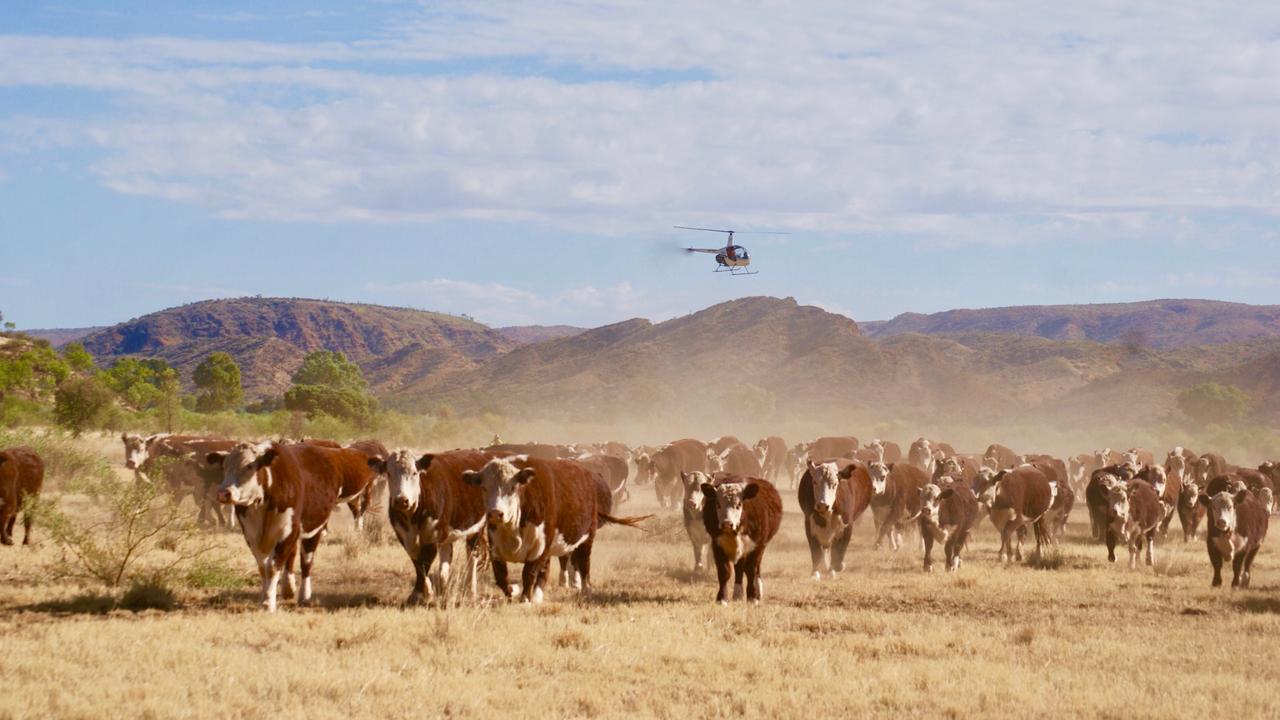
{"x": 1214, "y": 404}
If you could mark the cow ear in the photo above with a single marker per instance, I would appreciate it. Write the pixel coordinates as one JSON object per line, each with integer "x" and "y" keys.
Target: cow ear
{"x": 812, "y": 465}
{"x": 471, "y": 477}
{"x": 378, "y": 465}
{"x": 1242, "y": 496}
{"x": 215, "y": 458}
{"x": 267, "y": 458}
{"x": 424, "y": 462}
{"x": 1204, "y": 500}
{"x": 946, "y": 493}
{"x": 847, "y": 472}
{"x": 709, "y": 491}
{"x": 525, "y": 476}
{"x": 750, "y": 491}
{"x": 124, "y": 437}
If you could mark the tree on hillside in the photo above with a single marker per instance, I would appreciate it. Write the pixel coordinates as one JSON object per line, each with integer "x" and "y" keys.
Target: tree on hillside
{"x": 80, "y": 402}
{"x": 77, "y": 358}
{"x": 137, "y": 381}
{"x": 1214, "y": 404}
{"x": 218, "y": 380}
{"x": 329, "y": 383}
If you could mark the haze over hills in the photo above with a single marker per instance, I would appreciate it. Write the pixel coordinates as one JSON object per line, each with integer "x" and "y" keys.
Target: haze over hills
{"x": 1157, "y": 323}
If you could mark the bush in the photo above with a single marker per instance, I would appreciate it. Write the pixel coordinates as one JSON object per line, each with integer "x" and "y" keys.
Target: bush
{"x": 149, "y": 594}
{"x": 218, "y": 378}
{"x": 81, "y": 403}
{"x": 1211, "y": 403}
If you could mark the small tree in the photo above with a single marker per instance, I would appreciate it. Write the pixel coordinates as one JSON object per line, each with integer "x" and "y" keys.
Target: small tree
{"x": 329, "y": 383}
{"x": 1214, "y": 404}
{"x": 77, "y": 358}
{"x": 80, "y": 403}
{"x": 218, "y": 379}
{"x": 169, "y": 402}
{"x": 137, "y": 381}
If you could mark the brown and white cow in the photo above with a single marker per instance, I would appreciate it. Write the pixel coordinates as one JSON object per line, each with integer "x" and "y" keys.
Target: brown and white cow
{"x": 178, "y": 462}
{"x": 724, "y": 442}
{"x": 741, "y": 515}
{"x": 998, "y": 457}
{"x": 691, "y": 508}
{"x": 1134, "y": 513}
{"x": 669, "y": 462}
{"x": 920, "y": 454}
{"x": 735, "y": 460}
{"x": 614, "y": 470}
{"x": 1079, "y": 469}
{"x": 832, "y": 495}
{"x": 283, "y": 496}
{"x": 1235, "y": 531}
{"x": 1095, "y": 496}
{"x": 833, "y": 446}
{"x": 947, "y": 513}
{"x": 537, "y": 509}
{"x": 431, "y": 508}
{"x": 772, "y": 454}
{"x": 895, "y": 500}
{"x": 1209, "y": 467}
{"x": 1023, "y": 496}
{"x": 21, "y": 479}
{"x": 373, "y": 450}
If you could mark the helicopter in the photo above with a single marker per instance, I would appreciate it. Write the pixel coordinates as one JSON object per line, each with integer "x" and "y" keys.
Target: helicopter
{"x": 733, "y": 259}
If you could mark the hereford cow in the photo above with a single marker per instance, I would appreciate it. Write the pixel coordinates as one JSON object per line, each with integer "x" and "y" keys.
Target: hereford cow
{"x": 1095, "y": 496}
{"x": 691, "y": 508}
{"x": 735, "y": 460}
{"x": 724, "y": 442}
{"x": 890, "y": 452}
{"x": 538, "y": 509}
{"x": 536, "y": 450}
{"x": 178, "y": 462}
{"x": 1134, "y": 513}
{"x": 431, "y": 508}
{"x": 1209, "y": 467}
{"x": 772, "y": 454}
{"x": 1236, "y": 528}
{"x": 1064, "y": 497}
{"x": 833, "y": 495}
{"x": 1079, "y": 469}
{"x": 947, "y": 514}
{"x": 959, "y": 467}
{"x": 895, "y": 499}
{"x": 643, "y": 459}
{"x": 998, "y": 457}
{"x": 741, "y": 515}
{"x": 614, "y": 470}
{"x": 21, "y": 478}
{"x": 673, "y": 459}
{"x": 1190, "y": 511}
{"x": 372, "y": 450}
{"x": 829, "y": 448}
{"x": 283, "y": 495}
{"x": 1022, "y": 497}
{"x": 920, "y": 454}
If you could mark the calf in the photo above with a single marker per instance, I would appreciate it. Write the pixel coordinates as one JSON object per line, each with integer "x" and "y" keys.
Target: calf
{"x": 283, "y": 495}
{"x": 1095, "y": 496}
{"x": 1134, "y": 514}
{"x": 895, "y": 499}
{"x": 1236, "y": 528}
{"x": 21, "y": 478}
{"x": 538, "y": 509}
{"x": 1022, "y": 497}
{"x": 741, "y": 515}
{"x": 691, "y": 508}
{"x": 673, "y": 459}
{"x": 431, "y": 508}
{"x": 947, "y": 514}
{"x": 832, "y": 498}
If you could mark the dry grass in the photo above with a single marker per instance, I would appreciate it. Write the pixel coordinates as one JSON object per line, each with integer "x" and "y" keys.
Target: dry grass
{"x": 1087, "y": 639}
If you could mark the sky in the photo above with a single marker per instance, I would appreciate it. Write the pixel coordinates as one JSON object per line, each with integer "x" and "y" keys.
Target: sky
{"x": 525, "y": 162}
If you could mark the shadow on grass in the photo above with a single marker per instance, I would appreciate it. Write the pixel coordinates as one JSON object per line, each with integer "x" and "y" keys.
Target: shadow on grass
{"x": 82, "y": 604}
{"x": 1269, "y": 605}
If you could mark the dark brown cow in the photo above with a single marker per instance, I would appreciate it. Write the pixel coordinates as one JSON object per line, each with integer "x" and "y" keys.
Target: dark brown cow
{"x": 1023, "y": 496}
{"x": 431, "y": 508}
{"x": 741, "y": 515}
{"x": 772, "y": 454}
{"x": 1236, "y": 528}
{"x": 998, "y": 457}
{"x": 1209, "y": 467}
{"x": 895, "y": 499}
{"x": 1134, "y": 513}
{"x": 283, "y": 495}
{"x": 829, "y": 448}
{"x": 1095, "y": 496}
{"x": 678, "y": 457}
{"x": 538, "y": 509}
{"x": 947, "y": 513}
{"x": 833, "y": 495}
{"x": 21, "y": 478}
{"x": 1064, "y": 496}
{"x": 959, "y": 467}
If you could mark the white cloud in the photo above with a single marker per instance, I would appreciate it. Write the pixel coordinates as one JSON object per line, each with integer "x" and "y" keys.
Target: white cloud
{"x": 498, "y": 305}
{"x": 980, "y": 123}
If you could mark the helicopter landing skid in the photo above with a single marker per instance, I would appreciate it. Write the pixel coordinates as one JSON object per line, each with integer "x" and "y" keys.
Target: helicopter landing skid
{"x": 736, "y": 271}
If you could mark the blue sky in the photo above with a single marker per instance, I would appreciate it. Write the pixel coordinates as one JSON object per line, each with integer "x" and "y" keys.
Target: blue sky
{"x": 524, "y": 162}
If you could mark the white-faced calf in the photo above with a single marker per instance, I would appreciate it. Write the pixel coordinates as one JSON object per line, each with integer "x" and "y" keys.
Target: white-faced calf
{"x": 741, "y": 515}
{"x": 832, "y": 498}
{"x": 1134, "y": 514}
{"x": 1236, "y": 528}
{"x": 691, "y": 507}
{"x": 947, "y": 515}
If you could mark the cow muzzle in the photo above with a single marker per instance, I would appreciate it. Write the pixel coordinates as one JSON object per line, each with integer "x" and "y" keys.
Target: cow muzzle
{"x": 224, "y": 496}
{"x": 728, "y": 527}
{"x": 822, "y": 509}
{"x": 400, "y": 502}
{"x": 131, "y": 465}
{"x": 494, "y": 517}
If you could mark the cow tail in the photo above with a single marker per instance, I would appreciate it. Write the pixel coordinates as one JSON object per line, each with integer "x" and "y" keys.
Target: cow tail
{"x": 633, "y": 522}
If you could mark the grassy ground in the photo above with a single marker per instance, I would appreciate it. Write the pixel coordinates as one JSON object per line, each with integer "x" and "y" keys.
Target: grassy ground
{"x": 1085, "y": 639}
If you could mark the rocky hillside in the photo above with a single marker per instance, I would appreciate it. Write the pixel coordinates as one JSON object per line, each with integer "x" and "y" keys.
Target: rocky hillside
{"x": 268, "y": 337}
{"x": 1160, "y": 324}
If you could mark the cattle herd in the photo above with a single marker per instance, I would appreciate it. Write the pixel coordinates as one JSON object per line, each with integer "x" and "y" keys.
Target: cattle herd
{"x": 530, "y": 503}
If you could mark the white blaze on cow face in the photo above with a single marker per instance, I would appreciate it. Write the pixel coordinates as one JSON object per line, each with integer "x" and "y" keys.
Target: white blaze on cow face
{"x": 826, "y": 483}
{"x": 135, "y": 450}
{"x": 693, "y": 497}
{"x": 930, "y": 504}
{"x": 1268, "y": 499}
{"x": 500, "y": 480}
{"x": 1203, "y": 465}
{"x": 1158, "y": 479}
{"x": 1117, "y": 505}
{"x": 879, "y": 473}
{"x": 729, "y": 499}
{"x": 877, "y": 447}
{"x": 402, "y": 480}
{"x": 986, "y": 486}
{"x": 241, "y": 484}
{"x": 1222, "y": 512}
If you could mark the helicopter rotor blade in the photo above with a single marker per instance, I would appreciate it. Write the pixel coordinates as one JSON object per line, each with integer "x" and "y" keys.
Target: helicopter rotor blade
{"x": 686, "y": 227}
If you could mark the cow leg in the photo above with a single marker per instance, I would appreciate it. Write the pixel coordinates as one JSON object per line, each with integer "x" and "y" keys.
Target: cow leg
{"x": 1111, "y": 544}
{"x": 6, "y": 528}
{"x": 582, "y": 566}
{"x": 1022, "y": 536}
{"x": 927, "y": 537}
{"x": 500, "y": 575}
{"x": 534, "y": 577}
{"x": 1247, "y": 569}
{"x": 445, "y": 550}
{"x": 422, "y": 587}
{"x": 754, "y": 586}
{"x": 309, "y": 546}
{"x": 473, "y": 563}
{"x": 739, "y": 573}
{"x": 566, "y": 571}
{"x": 1215, "y": 559}
{"x": 952, "y": 548}
{"x": 815, "y": 551}
{"x": 723, "y": 569}
{"x": 1237, "y": 567}
{"x": 697, "y": 556}
{"x": 27, "y": 522}
{"x": 1151, "y": 549}
{"x": 838, "y": 550}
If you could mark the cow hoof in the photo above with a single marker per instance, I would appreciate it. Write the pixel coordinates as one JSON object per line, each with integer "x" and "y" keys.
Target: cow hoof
{"x": 415, "y": 600}
{"x": 6, "y": 541}
{"x": 268, "y": 606}
{"x": 817, "y": 576}
{"x": 723, "y": 603}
